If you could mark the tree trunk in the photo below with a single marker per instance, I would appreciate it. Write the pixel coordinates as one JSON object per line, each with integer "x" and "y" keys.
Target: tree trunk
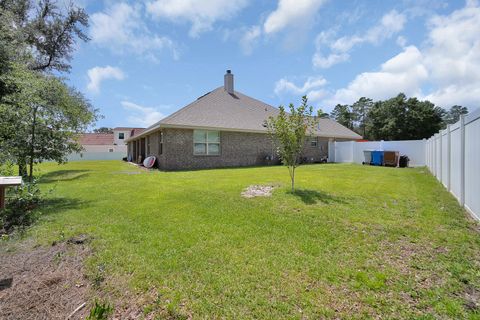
{"x": 32, "y": 142}
{"x": 293, "y": 179}
{"x": 22, "y": 167}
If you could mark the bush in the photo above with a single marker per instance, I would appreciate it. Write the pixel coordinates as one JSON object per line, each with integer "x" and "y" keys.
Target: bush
{"x": 20, "y": 203}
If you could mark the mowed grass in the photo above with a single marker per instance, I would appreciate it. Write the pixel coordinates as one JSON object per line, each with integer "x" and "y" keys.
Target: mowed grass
{"x": 353, "y": 242}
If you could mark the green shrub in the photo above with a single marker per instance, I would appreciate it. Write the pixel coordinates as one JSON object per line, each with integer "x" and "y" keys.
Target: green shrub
{"x": 20, "y": 203}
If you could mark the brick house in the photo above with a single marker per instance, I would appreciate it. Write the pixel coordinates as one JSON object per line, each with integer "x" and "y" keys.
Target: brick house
{"x": 224, "y": 128}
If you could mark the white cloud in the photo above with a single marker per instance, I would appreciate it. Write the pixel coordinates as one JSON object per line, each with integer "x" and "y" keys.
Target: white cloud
{"x": 142, "y": 116}
{"x": 448, "y": 67}
{"x": 401, "y": 41}
{"x": 330, "y": 60}
{"x": 390, "y": 24}
{"x": 202, "y": 14}
{"x": 121, "y": 29}
{"x": 313, "y": 88}
{"x": 403, "y": 73}
{"x": 97, "y": 74}
{"x": 249, "y": 38}
{"x": 291, "y": 13}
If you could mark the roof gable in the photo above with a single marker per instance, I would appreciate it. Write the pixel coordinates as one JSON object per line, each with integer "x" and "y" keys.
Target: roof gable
{"x": 221, "y": 110}
{"x": 96, "y": 139}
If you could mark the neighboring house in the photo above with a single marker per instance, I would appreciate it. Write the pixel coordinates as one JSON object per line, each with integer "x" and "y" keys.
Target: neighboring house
{"x": 224, "y": 128}
{"x": 105, "y": 146}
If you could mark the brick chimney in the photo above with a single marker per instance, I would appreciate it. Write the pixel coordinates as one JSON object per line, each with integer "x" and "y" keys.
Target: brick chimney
{"x": 228, "y": 82}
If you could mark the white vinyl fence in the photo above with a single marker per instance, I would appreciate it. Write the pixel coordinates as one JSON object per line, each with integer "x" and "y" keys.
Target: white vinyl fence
{"x": 453, "y": 156}
{"x": 96, "y": 156}
{"x": 352, "y": 151}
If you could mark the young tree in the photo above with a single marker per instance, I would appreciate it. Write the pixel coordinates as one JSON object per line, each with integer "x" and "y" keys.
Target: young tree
{"x": 288, "y": 131}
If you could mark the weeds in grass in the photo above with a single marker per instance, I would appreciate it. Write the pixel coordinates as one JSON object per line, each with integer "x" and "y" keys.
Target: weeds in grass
{"x": 99, "y": 311}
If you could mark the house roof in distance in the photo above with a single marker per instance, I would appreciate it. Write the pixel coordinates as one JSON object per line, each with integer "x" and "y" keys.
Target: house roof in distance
{"x": 96, "y": 139}
{"x": 125, "y": 128}
{"x": 234, "y": 111}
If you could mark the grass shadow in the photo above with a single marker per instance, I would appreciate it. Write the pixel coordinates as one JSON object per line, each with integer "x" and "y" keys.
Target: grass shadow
{"x": 314, "y": 196}
{"x": 54, "y": 205}
{"x": 63, "y": 175}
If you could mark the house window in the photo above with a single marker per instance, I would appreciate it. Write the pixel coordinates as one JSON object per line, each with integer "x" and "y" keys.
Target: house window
{"x": 110, "y": 150}
{"x": 313, "y": 142}
{"x": 160, "y": 144}
{"x": 206, "y": 142}
{"x": 121, "y": 135}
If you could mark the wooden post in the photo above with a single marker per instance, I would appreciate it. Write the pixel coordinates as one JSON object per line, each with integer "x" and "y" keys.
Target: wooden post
{"x": 2, "y": 198}
{"x": 6, "y": 182}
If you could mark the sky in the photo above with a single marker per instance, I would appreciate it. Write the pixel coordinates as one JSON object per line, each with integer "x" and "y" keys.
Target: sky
{"x": 147, "y": 59}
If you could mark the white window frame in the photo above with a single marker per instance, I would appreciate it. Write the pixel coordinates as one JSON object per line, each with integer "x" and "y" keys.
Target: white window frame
{"x": 206, "y": 142}
{"x": 313, "y": 142}
{"x": 160, "y": 145}
{"x": 122, "y": 134}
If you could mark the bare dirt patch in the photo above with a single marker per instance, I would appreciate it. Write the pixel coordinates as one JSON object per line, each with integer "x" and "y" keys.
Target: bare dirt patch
{"x": 257, "y": 191}
{"x": 44, "y": 282}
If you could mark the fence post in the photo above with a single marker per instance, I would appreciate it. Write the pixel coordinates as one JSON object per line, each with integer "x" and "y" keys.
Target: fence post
{"x": 334, "y": 150}
{"x": 462, "y": 160}
{"x": 435, "y": 138}
{"x": 449, "y": 149}
{"x": 441, "y": 158}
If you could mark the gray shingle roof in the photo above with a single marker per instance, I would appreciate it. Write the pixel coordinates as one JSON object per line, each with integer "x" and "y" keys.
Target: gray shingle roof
{"x": 236, "y": 112}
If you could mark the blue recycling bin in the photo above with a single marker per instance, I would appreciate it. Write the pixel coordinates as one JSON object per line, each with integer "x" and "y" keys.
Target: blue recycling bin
{"x": 377, "y": 158}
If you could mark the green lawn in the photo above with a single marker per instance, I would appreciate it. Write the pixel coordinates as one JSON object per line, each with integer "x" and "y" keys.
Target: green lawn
{"x": 354, "y": 242}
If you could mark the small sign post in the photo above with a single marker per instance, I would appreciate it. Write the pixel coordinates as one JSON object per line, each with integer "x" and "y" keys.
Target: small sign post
{"x": 6, "y": 182}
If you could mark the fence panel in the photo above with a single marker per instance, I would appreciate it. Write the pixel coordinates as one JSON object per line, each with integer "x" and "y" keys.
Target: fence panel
{"x": 344, "y": 151}
{"x": 453, "y": 156}
{"x": 444, "y": 174}
{"x": 96, "y": 156}
{"x": 455, "y": 159}
{"x": 353, "y": 151}
{"x": 472, "y": 165}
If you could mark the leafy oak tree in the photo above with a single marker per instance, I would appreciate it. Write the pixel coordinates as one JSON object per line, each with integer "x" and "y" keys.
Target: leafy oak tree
{"x": 288, "y": 131}
{"x": 45, "y": 121}
{"x": 40, "y": 114}
{"x": 402, "y": 118}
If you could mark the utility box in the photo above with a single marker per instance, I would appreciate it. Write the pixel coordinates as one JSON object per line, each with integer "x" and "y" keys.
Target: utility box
{"x": 391, "y": 158}
{"x": 368, "y": 156}
{"x": 377, "y": 158}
